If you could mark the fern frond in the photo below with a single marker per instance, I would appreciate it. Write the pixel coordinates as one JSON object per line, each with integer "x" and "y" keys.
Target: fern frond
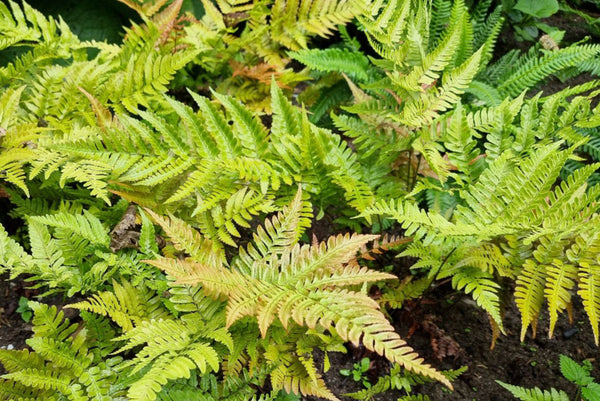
{"x": 419, "y": 223}
{"x": 537, "y": 68}
{"x": 188, "y": 240}
{"x": 276, "y": 274}
{"x": 454, "y": 83}
{"x": 529, "y": 294}
{"x": 45, "y": 379}
{"x": 498, "y": 204}
{"x": 460, "y": 141}
{"x": 534, "y": 394}
{"x": 356, "y": 65}
{"x": 127, "y": 306}
{"x": 437, "y": 61}
{"x": 63, "y": 365}
{"x": 561, "y": 279}
{"x": 279, "y": 232}
{"x": 483, "y": 289}
{"x": 86, "y": 226}
{"x": 293, "y": 21}
{"x": 487, "y": 94}
{"x": 14, "y": 361}
{"x": 12, "y": 390}
{"x": 407, "y": 290}
{"x": 589, "y": 291}
{"x": 12, "y": 255}
{"x": 172, "y": 349}
{"x": 441, "y": 11}
{"x": 252, "y": 133}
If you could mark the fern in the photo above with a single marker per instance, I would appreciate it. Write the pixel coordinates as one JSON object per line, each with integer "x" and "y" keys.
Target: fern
{"x": 222, "y": 175}
{"x": 572, "y": 371}
{"x": 355, "y": 65}
{"x": 400, "y": 379}
{"x": 49, "y": 85}
{"x": 71, "y": 250}
{"x": 526, "y": 71}
{"x": 511, "y": 196}
{"x": 12, "y": 255}
{"x": 276, "y": 272}
{"x": 535, "y": 394}
{"x": 426, "y": 65}
{"x": 125, "y": 305}
{"x": 14, "y": 134}
{"x": 61, "y": 365}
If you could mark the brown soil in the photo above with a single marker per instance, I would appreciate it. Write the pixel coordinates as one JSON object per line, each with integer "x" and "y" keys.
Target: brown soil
{"x": 13, "y": 329}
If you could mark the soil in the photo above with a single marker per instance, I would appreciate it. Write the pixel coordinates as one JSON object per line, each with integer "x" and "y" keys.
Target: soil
{"x": 13, "y": 329}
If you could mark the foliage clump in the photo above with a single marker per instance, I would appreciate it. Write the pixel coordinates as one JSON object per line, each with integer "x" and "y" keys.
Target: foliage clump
{"x": 210, "y": 192}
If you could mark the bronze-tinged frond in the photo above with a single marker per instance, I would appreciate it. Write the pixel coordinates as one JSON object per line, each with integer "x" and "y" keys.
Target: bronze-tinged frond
{"x": 278, "y": 279}
{"x": 186, "y": 239}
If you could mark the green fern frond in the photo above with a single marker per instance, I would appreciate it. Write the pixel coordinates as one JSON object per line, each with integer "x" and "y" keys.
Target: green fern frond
{"x": 127, "y": 306}
{"x": 441, "y": 11}
{"x": 14, "y": 361}
{"x": 535, "y": 394}
{"x": 12, "y": 390}
{"x": 486, "y": 35}
{"x": 483, "y": 289}
{"x": 356, "y": 65}
{"x": 561, "y": 279}
{"x": 42, "y": 379}
{"x": 419, "y": 223}
{"x": 589, "y": 291}
{"x": 487, "y": 94}
{"x": 278, "y": 233}
{"x": 232, "y": 171}
{"x": 188, "y": 240}
{"x": 15, "y": 137}
{"x": 436, "y": 62}
{"x": 86, "y": 226}
{"x": 62, "y": 365}
{"x": 293, "y": 21}
{"x": 454, "y": 83}
{"x": 407, "y": 290}
{"x": 172, "y": 349}
{"x": 534, "y": 69}
{"x": 27, "y": 25}
{"x": 490, "y": 202}
{"x": 529, "y": 294}
{"x": 12, "y": 255}
{"x": 460, "y": 141}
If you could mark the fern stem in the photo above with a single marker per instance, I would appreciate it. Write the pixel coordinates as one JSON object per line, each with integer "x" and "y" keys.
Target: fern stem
{"x": 416, "y": 175}
{"x": 408, "y": 175}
